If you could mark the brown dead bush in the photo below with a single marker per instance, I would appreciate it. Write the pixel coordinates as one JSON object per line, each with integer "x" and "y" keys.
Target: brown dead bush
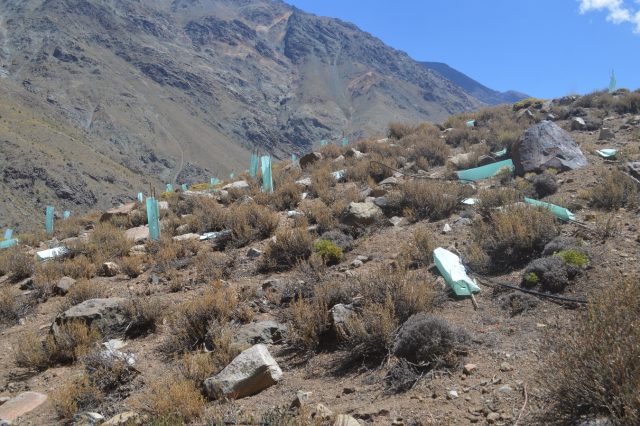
{"x": 17, "y": 263}
{"x": 400, "y": 130}
{"x": 430, "y": 199}
{"x": 131, "y": 266}
{"x": 289, "y": 248}
{"x": 172, "y": 396}
{"x": 76, "y": 395}
{"x": 251, "y": 222}
{"x": 212, "y": 265}
{"x": 83, "y": 290}
{"x": 615, "y": 190}
{"x": 320, "y": 214}
{"x": 593, "y": 369}
{"x": 514, "y": 235}
{"x": 491, "y": 199}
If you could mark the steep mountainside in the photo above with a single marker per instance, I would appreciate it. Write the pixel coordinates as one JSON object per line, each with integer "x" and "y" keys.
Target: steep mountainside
{"x": 179, "y": 90}
{"x": 474, "y": 88}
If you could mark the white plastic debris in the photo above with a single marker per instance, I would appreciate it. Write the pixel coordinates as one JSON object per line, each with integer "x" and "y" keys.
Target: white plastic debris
{"x": 52, "y": 253}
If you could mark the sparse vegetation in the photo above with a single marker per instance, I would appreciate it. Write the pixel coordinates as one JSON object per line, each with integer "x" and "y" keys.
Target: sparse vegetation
{"x": 289, "y": 247}
{"x": 330, "y": 253}
{"x": 615, "y": 190}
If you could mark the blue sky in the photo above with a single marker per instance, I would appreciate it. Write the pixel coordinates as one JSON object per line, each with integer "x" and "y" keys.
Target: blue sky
{"x": 546, "y": 48}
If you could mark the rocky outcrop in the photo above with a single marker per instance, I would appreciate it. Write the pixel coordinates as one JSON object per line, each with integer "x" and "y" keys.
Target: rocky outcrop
{"x": 106, "y": 314}
{"x": 545, "y": 145}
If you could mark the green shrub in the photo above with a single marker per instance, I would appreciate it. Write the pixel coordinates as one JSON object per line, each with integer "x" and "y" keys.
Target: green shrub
{"x": 330, "y": 253}
{"x": 574, "y": 257}
{"x": 531, "y": 280}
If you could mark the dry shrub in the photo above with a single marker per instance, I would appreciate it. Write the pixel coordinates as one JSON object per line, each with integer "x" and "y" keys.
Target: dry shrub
{"x": 330, "y": 151}
{"x": 615, "y": 190}
{"x": 107, "y": 372}
{"x": 12, "y": 307}
{"x": 212, "y": 265}
{"x": 250, "y": 222}
{"x": 131, "y": 266}
{"x": 320, "y": 214}
{"x": 190, "y": 323}
{"x": 68, "y": 228}
{"x": 286, "y": 196}
{"x": 308, "y": 321}
{"x": 464, "y": 136}
{"x": 400, "y": 130}
{"x": 207, "y": 215}
{"x": 105, "y": 243}
{"x": 419, "y": 253}
{"x": 33, "y": 239}
{"x": 430, "y": 199}
{"x": 322, "y": 183}
{"x": 289, "y": 248}
{"x": 83, "y": 290}
{"x": 430, "y": 342}
{"x": 514, "y": 235}
{"x": 143, "y": 315}
{"x": 76, "y": 395}
{"x": 172, "y": 396}
{"x": 74, "y": 340}
{"x": 18, "y": 264}
{"x": 427, "y": 147}
{"x": 202, "y": 365}
{"x": 492, "y": 199}
{"x": 622, "y": 101}
{"x": 593, "y": 369}
{"x": 78, "y": 267}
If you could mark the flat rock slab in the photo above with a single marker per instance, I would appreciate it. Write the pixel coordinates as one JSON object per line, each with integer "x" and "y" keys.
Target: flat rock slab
{"x": 123, "y": 210}
{"x": 248, "y": 374}
{"x": 106, "y": 314}
{"x": 137, "y": 234}
{"x": 21, "y": 405}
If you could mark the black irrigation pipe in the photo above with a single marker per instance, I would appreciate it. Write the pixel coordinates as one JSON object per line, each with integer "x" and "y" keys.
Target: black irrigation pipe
{"x": 535, "y": 293}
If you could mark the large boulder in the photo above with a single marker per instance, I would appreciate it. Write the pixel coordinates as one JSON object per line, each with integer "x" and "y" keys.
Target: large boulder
{"x": 366, "y": 213}
{"x": 249, "y": 373}
{"x": 545, "y": 145}
{"x": 268, "y": 332}
{"x": 108, "y": 315}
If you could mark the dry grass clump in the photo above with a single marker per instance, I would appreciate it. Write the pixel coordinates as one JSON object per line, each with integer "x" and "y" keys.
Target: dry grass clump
{"x": 48, "y": 274}
{"x": 78, "y": 394}
{"x": 400, "y": 130}
{"x": 419, "y": 252}
{"x": 368, "y": 170}
{"x": 430, "y": 199}
{"x": 514, "y": 235}
{"x": 207, "y": 215}
{"x": 12, "y": 306}
{"x": 143, "y": 315}
{"x": 621, "y": 102}
{"x": 172, "y": 397}
{"x": 250, "y": 222}
{"x": 105, "y": 243}
{"x": 320, "y": 214}
{"x": 74, "y": 340}
{"x": 131, "y": 266}
{"x": 593, "y": 369}
{"x": 289, "y": 248}
{"x": 614, "y": 190}
{"x": 83, "y": 290}
{"x": 16, "y": 263}
{"x": 492, "y": 199}
{"x": 286, "y": 196}
{"x": 427, "y": 147}
{"x": 68, "y": 228}
{"x": 198, "y": 366}
{"x": 211, "y": 265}
{"x": 192, "y": 320}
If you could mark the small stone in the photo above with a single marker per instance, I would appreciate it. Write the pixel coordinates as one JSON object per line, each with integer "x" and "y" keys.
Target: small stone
{"x": 470, "y": 368}
{"x": 323, "y": 412}
{"x": 302, "y": 398}
{"x": 505, "y": 366}
{"x": 505, "y": 389}
{"x": 109, "y": 269}
{"x": 363, "y": 259}
{"x": 452, "y": 394}
{"x": 254, "y": 253}
{"x": 345, "y": 420}
{"x": 446, "y": 229}
{"x": 87, "y": 419}
{"x": 348, "y": 391}
{"x": 606, "y": 134}
{"x": 187, "y": 237}
{"x": 63, "y": 286}
{"x": 356, "y": 263}
{"x": 128, "y": 418}
{"x": 4, "y": 399}
{"x": 493, "y": 417}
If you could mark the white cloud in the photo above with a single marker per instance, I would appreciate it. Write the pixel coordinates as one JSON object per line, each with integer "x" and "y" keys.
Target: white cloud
{"x": 617, "y": 11}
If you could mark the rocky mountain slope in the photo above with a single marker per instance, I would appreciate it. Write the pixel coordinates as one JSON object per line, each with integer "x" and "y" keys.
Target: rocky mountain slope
{"x": 180, "y": 90}
{"x": 474, "y": 88}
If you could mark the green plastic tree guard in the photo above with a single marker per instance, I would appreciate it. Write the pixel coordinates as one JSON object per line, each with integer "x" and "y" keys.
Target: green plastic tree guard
{"x": 153, "y": 218}
{"x": 324, "y": 142}
{"x": 215, "y": 181}
{"x": 8, "y": 234}
{"x": 66, "y": 214}
{"x": 253, "y": 166}
{"x": 345, "y": 142}
{"x": 485, "y": 172}
{"x": 48, "y": 219}
{"x": 454, "y": 273}
{"x": 612, "y": 82}
{"x": 140, "y": 197}
{"x": 559, "y": 212}
{"x": 5, "y": 244}
{"x": 267, "y": 180}
{"x": 169, "y": 187}
{"x": 184, "y": 187}
{"x": 471, "y": 123}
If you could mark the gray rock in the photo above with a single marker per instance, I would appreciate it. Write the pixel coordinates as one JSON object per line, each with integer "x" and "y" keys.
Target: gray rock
{"x": 137, "y": 234}
{"x": 340, "y": 314}
{"x": 398, "y": 221}
{"x": 109, "y": 269}
{"x": 26, "y": 284}
{"x": 352, "y": 152}
{"x": 390, "y": 181}
{"x": 633, "y": 167}
{"x": 309, "y": 159}
{"x": 124, "y": 210}
{"x": 361, "y": 214}
{"x": 249, "y": 373}
{"x": 187, "y": 237}
{"x": 240, "y": 184}
{"x": 305, "y": 182}
{"x": 183, "y": 229}
{"x": 20, "y": 405}
{"x": 446, "y": 228}
{"x": 106, "y": 314}
{"x": 505, "y": 389}
{"x": 357, "y": 263}
{"x": 578, "y": 123}
{"x": 128, "y": 418}
{"x": 138, "y": 250}
{"x": 345, "y": 420}
{"x": 460, "y": 160}
{"x": 267, "y": 332}
{"x": 254, "y": 253}
{"x": 545, "y": 145}
{"x": 302, "y": 398}
{"x": 63, "y": 286}
{"x": 606, "y": 134}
